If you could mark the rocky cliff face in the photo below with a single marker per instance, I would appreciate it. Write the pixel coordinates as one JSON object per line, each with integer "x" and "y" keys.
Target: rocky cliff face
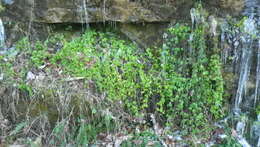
{"x": 27, "y": 16}
{"x": 81, "y": 11}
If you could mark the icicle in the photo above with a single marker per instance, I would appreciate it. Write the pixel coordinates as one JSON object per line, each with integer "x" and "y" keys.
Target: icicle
{"x": 240, "y": 129}
{"x": 164, "y": 53}
{"x": 213, "y": 25}
{"x": 2, "y": 35}
{"x": 255, "y": 131}
{"x": 31, "y": 19}
{"x": 224, "y": 53}
{"x": 104, "y": 10}
{"x": 194, "y": 16}
{"x": 249, "y": 28}
{"x": 243, "y": 142}
{"x": 86, "y": 13}
{"x": 82, "y": 18}
{"x": 251, "y": 8}
{"x": 244, "y": 73}
{"x": 190, "y": 43}
{"x": 257, "y": 75}
{"x": 243, "y": 49}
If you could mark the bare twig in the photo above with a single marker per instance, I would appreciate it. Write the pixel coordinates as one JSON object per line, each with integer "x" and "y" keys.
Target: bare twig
{"x": 74, "y": 79}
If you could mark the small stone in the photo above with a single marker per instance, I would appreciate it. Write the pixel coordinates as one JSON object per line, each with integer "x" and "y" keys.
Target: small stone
{"x": 30, "y": 76}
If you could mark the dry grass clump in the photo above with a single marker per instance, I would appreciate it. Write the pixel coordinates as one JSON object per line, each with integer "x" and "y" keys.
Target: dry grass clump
{"x": 49, "y": 107}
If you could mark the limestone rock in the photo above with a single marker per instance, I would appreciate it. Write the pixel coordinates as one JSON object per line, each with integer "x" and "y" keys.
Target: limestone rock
{"x": 81, "y": 11}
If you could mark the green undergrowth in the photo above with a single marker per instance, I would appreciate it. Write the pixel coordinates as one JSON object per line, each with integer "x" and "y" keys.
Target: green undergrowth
{"x": 56, "y": 111}
{"x": 180, "y": 82}
{"x": 114, "y": 66}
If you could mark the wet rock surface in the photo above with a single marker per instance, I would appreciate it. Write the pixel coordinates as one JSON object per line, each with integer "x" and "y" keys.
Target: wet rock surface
{"x": 81, "y": 11}
{"x": 27, "y": 17}
{"x": 87, "y": 11}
